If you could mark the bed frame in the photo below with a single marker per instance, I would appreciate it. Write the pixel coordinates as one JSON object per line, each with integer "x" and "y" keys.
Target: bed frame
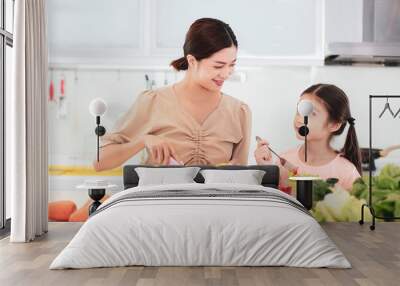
{"x": 270, "y": 179}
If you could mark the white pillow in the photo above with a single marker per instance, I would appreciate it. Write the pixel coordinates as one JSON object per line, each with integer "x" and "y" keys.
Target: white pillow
{"x": 248, "y": 177}
{"x": 163, "y": 176}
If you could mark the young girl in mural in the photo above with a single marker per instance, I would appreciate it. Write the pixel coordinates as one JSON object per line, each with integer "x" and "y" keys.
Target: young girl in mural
{"x": 191, "y": 122}
{"x": 330, "y": 117}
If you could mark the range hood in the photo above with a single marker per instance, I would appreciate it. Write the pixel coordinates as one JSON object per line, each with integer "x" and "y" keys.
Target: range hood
{"x": 379, "y": 40}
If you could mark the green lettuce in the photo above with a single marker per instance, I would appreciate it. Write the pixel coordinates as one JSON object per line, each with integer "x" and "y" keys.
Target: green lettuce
{"x": 385, "y": 191}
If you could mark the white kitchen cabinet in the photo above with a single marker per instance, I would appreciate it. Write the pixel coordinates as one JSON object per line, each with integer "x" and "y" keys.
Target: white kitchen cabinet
{"x": 152, "y": 32}
{"x": 264, "y": 28}
{"x": 101, "y": 30}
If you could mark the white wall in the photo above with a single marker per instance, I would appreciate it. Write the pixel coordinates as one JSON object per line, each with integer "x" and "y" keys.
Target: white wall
{"x": 271, "y": 93}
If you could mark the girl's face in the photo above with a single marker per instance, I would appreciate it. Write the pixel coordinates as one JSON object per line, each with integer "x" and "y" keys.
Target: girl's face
{"x": 318, "y": 121}
{"x": 212, "y": 72}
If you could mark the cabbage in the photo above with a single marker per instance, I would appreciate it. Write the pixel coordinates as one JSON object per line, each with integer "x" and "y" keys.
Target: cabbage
{"x": 385, "y": 191}
{"x": 391, "y": 170}
{"x": 340, "y": 205}
{"x": 320, "y": 190}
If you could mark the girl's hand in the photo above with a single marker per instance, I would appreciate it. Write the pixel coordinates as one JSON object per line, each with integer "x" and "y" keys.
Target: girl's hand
{"x": 159, "y": 150}
{"x": 262, "y": 154}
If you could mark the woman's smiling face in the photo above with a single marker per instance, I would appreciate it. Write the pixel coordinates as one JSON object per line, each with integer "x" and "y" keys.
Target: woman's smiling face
{"x": 212, "y": 72}
{"x": 319, "y": 125}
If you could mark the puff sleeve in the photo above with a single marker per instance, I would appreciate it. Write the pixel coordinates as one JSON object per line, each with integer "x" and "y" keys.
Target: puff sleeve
{"x": 135, "y": 123}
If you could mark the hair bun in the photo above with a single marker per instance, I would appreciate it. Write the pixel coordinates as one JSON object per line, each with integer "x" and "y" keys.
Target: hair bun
{"x": 180, "y": 64}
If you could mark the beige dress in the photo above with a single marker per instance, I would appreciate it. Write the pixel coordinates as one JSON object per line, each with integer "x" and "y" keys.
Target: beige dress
{"x": 224, "y": 136}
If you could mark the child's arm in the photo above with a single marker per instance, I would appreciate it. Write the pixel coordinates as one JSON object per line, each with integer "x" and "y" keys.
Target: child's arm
{"x": 283, "y": 174}
{"x": 262, "y": 154}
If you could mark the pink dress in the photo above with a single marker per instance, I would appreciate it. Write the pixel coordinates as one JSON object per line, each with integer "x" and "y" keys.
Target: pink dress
{"x": 339, "y": 168}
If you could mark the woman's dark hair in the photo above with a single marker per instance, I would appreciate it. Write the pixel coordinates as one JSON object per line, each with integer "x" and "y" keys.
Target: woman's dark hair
{"x": 337, "y": 105}
{"x": 205, "y": 37}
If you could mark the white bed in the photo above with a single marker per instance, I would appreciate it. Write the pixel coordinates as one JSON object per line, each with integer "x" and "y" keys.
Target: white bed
{"x": 225, "y": 225}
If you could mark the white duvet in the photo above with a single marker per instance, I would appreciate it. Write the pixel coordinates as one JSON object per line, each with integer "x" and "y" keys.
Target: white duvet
{"x": 183, "y": 231}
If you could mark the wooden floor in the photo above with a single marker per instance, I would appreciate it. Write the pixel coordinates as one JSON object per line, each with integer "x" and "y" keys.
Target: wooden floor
{"x": 374, "y": 255}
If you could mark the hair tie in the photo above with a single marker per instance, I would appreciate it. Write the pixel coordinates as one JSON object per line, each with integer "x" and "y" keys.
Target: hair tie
{"x": 351, "y": 120}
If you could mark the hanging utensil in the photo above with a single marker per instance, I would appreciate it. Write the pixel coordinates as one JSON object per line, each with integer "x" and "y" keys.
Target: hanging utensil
{"x": 62, "y": 104}
{"x": 51, "y": 91}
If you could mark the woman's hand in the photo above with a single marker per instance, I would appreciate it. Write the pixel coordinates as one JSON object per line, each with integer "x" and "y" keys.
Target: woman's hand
{"x": 159, "y": 150}
{"x": 262, "y": 154}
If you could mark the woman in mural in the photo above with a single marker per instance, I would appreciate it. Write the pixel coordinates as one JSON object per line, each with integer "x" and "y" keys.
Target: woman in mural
{"x": 330, "y": 117}
{"x": 191, "y": 122}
